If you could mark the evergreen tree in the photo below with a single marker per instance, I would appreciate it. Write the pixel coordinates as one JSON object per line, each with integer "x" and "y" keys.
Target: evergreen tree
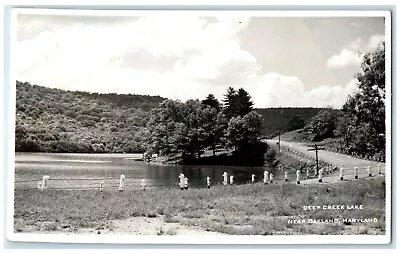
{"x": 245, "y": 105}
{"x": 211, "y": 101}
{"x": 230, "y": 103}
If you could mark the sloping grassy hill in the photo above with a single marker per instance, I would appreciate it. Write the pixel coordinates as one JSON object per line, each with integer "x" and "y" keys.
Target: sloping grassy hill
{"x": 53, "y": 120}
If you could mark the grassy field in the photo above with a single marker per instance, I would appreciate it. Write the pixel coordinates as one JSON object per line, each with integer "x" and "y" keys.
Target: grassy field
{"x": 244, "y": 209}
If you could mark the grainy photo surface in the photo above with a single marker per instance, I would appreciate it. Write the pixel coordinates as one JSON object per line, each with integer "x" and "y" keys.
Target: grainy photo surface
{"x": 200, "y": 124}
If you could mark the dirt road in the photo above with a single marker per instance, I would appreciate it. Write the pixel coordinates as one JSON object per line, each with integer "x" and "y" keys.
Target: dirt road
{"x": 348, "y": 163}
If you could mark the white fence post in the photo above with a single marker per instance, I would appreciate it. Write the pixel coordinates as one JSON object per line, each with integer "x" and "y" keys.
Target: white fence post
{"x": 231, "y": 179}
{"x": 45, "y": 182}
{"x": 286, "y": 176}
{"x": 369, "y": 171}
{"x": 181, "y": 181}
{"x": 39, "y": 185}
{"x": 320, "y": 176}
{"x": 208, "y": 182}
{"x": 253, "y": 178}
{"x": 186, "y": 183}
{"x": 265, "y": 177}
{"x": 356, "y": 173}
{"x": 308, "y": 173}
{"x": 298, "y": 176}
{"x": 341, "y": 174}
{"x": 225, "y": 175}
{"x": 271, "y": 178}
{"x": 101, "y": 186}
{"x": 143, "y": 184}
{"x": 121, "y": 183}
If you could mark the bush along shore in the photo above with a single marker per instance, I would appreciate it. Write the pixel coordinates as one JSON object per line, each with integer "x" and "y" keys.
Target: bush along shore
{"x": 261, "y": 209}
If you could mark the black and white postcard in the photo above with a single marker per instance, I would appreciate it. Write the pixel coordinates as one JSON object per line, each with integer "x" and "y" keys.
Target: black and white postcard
{"x": 206, "y": 127}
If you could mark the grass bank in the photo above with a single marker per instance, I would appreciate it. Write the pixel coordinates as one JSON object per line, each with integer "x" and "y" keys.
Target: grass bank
{"x": 286, "y": 161}
{"x": 291, "y": 163}
{"x": 245, "y": 209}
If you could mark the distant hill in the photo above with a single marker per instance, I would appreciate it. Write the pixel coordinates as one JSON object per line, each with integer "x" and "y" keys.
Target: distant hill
{"x": 53, "y": 120}
{"x": 286, "y": 119}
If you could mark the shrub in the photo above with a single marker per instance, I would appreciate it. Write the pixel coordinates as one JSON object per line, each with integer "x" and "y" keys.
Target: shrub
{"x": 270, "y": 156}
{"x": 296, "y": 123}
{"x": 322, "y": 126}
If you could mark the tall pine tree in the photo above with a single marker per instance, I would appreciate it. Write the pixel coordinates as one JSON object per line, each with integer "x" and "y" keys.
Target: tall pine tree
{"x": 237, "y": 103}
{"x": 230, "y": 101}
{"x": 211, "y": 101}
{"x": 245, "y": 105}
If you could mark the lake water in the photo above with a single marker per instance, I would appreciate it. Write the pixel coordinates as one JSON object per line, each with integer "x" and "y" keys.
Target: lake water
{"x": 85, "y": 171}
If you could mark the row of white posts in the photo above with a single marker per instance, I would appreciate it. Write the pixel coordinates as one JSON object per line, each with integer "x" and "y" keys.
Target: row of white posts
{"x": 42, "y": 185}
{"x": 267, "y": 177}
{"x": 122, "y": 184}
{"x": 184, "y": 181}
{"x": 297, "y": 176}
{"x": 320, "y": 175}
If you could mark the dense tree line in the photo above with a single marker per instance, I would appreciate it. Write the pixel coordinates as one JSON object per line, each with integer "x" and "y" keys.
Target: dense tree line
{"x": 189, "y": 128}
{"x": 53, "y": 120}
{"x": 359, "y": 126}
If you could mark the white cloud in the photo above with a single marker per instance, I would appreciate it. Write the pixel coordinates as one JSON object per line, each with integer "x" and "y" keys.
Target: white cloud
{"x": 80, "y": 56}
{"x": 356, "y": 44}
{"x": 224, "y": 62}
{"x": 352, "y": 55}
{"x": 275, "y": 90}
{"x": 374, "y": 41}
{"x": 345, "y": 58}
{"x": 206, "y": 58}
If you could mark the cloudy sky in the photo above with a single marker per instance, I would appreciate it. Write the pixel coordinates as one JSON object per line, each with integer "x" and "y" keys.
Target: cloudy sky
{"x": 290, "y": 62}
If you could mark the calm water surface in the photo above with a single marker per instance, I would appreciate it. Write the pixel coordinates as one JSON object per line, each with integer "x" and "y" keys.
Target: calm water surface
{"x": 88, "y": 170}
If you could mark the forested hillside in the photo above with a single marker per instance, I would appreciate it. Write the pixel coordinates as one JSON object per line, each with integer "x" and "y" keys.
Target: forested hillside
{"x": 286, "y": 119}
{"x": 53, "y": 120}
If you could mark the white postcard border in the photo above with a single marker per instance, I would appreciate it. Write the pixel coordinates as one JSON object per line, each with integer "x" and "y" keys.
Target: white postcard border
{"x": 126, "y": 239}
